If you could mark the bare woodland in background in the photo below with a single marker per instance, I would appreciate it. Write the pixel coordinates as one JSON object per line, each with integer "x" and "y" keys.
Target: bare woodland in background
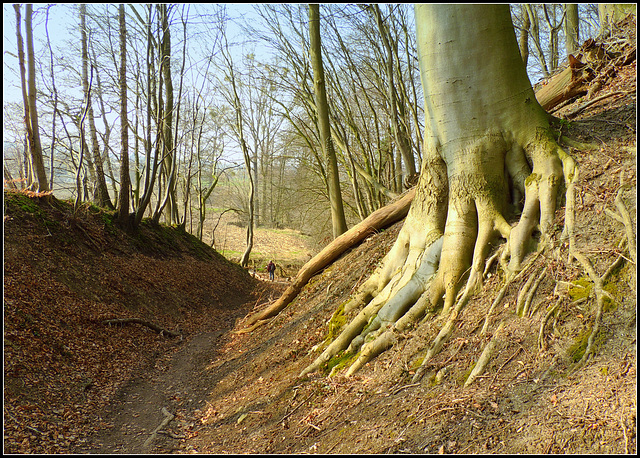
{"x": 201, "y": 120}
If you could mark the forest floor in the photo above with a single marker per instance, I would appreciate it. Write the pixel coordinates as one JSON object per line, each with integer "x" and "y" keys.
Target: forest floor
{"x": 73, "y": 384}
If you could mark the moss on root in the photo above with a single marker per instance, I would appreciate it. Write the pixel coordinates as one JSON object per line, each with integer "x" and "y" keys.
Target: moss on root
{"x": 339, "y": 362}
{"x": 335, "y": 324}
{"x": 577, "y": 349}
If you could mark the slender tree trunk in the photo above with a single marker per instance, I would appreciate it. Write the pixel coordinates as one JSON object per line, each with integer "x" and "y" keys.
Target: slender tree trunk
{"x": 125, "y": 181}
{"x": 101, "y": 193}
{"x": 234, "y": 100}
{"x": 38, "y": 175}
{"x": 151, "y": 168}
{"x": 338, "y": 220}
{"x": 534, "y": 34}
{"x": 550, "y": 16}
{"x": 399, "y": 132}
{"x": 55, "y": 105}
{"x": 571, "y": 28}
{"x": 170, "y": 160}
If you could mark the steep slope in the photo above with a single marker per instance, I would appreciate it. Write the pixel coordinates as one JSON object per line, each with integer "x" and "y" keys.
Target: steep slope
{"x": 531, "y": 397}
{"x": 73, "y": 384}
{"x": 65, "y": 273}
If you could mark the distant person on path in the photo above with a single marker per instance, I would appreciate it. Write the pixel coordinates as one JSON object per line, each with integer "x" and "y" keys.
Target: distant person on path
{"x": 271, "y": 268}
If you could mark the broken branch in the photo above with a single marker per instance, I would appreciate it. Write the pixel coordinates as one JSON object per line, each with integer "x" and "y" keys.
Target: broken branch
{"x": 156, "y": 328}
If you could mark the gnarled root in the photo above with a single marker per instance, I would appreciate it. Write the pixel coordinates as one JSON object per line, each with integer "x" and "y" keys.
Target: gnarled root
{"x": 447, "y": 238}
{"x": 385, "y": 309}
{"x": 486, "y": 355}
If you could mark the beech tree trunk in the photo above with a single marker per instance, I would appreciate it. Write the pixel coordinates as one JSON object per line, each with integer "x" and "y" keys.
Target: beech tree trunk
{"x": 483, "y": 129}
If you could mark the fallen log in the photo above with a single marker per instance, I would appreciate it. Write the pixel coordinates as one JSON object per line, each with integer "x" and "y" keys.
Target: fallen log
{"x": 379, "y": 219}
{"x": 156, "y": 328}
{"x": 587, "y": 72}
{"x": 569, "y": 83}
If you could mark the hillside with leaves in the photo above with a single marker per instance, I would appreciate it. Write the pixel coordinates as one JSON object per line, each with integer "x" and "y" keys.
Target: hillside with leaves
{"x": 66, "y": 273}
{"x": 193, "y": 384}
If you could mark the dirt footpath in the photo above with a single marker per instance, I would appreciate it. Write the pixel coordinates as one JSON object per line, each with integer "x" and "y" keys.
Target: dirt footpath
{"x": 152, "y": 412}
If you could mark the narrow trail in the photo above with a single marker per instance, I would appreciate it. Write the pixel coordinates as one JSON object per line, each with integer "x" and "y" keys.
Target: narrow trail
{"x": 154, "y": 411}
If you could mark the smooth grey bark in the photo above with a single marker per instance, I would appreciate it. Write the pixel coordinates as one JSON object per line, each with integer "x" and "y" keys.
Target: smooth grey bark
{"x": 483, "y": 127}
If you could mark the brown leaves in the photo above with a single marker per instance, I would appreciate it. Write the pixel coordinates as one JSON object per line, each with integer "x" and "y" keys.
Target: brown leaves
{"x": 61, "y": 365}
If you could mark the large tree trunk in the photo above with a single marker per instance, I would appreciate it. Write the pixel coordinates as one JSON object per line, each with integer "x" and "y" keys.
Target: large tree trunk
{"x": 483, "y": 128}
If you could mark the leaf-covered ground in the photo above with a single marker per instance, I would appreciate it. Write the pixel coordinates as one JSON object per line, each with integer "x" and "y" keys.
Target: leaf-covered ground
{"x": 64, "y": 274}
{"x": 74, "y": 384}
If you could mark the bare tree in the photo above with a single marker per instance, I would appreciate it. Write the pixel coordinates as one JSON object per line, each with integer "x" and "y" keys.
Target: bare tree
{"x": 38, "y": 176}
{"x": 125, "y": 181}
{"x": 233, "y": 99}
{"x": 339, "y": 223}
{"x": 101, "y": 193}
{"x": 396, "y": 107}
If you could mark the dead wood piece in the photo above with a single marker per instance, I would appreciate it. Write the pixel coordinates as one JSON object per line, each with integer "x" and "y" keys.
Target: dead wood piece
{"x": 569, "y": 83}
{"x": 168, "y": 416}
{"x": 379, "y": 219}
{"x": 155, "y": 327}
{"x": 587, "y": 72}
{"x": 596, "y": 100}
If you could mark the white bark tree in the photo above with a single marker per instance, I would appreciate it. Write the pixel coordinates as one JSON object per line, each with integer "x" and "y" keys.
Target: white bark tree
{"x": 487, "y": 143}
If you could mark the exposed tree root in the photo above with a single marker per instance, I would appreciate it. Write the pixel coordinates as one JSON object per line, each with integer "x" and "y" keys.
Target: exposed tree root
{"x": 523, "y": 309}
{"x": 486, "y": 355}
{"x": 626, "y": 219}
{"x": 599, "y": 281}
{"x": 601, "y": 294}
{"x": 424, "y": 266}
{"x": 550, "y": 312}
{"x": 167, "y": 419}
{"x": 510, "y": 279}
{"x": 377, "y": 220}
{"x": 480, "y": 160}
{"x": 156, "y": 328}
